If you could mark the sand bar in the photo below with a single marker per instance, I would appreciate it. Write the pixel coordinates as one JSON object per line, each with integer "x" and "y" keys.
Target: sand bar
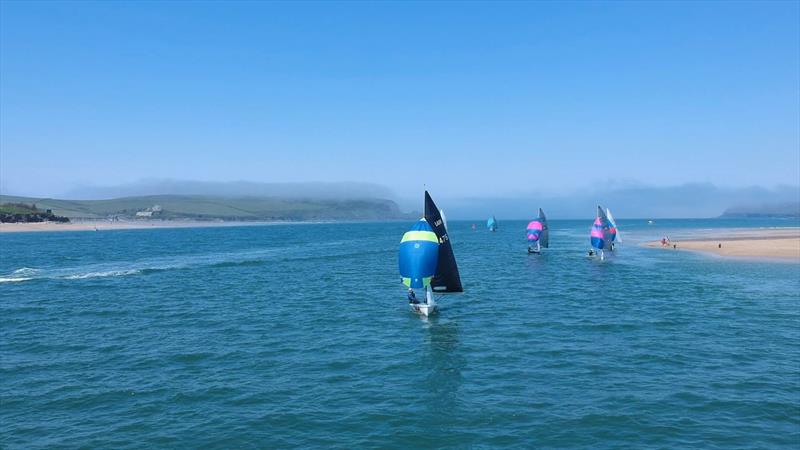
{"x": 779, "y": 244}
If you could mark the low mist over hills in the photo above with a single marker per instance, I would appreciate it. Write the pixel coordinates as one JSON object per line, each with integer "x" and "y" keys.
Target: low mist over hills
{"x": 696, "y": 200}
{"x": 310, "y": 190}
{"x": 246, "y": 200}
{"x": 229, "y": 201}
{"x": 198, "y": 207}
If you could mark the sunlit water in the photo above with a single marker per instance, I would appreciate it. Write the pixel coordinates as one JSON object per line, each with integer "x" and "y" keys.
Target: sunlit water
{"x": 300, "y": 336}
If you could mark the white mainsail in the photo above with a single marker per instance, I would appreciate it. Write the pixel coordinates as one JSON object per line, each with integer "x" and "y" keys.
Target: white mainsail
{"x": 618, "y": 238}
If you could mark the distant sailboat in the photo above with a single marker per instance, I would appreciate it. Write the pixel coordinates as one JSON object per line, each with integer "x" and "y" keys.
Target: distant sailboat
{"x": 491, "y": 224}
{"x": 600, "y": 236}
{"x": 538, "y": 234}
{"x": 426, "y": 259}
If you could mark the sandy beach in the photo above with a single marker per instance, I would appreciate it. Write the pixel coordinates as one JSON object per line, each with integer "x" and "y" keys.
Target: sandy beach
{"x": 779, "y": 244}
{"x": 104, "y": 225}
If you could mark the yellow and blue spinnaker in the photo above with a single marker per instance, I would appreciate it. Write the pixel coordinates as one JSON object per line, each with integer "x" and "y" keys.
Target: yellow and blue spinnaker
{"x": 419, "y": 255}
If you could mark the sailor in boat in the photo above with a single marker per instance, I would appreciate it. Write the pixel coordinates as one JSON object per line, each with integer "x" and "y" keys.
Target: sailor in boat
{"x": 591, "y": 252}
{"x": 412, "y": 297}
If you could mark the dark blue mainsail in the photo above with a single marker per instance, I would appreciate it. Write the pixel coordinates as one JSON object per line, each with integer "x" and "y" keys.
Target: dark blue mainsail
{"x": 447, "y": 278}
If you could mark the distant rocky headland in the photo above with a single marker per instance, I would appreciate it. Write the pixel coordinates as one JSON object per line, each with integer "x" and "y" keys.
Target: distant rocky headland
{"x": 775, "y": 210}
{"x": 207, "y": 208}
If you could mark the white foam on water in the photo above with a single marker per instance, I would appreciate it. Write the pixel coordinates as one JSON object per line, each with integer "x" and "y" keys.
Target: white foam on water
{"x": 23, "y": 274}
{"x": 12, "y": 280}
{"x": 110, "y": 273}
{"x": 124, "y": 268}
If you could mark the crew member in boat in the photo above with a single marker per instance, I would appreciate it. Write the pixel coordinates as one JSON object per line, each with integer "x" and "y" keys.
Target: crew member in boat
{"x": 412, "y": 297}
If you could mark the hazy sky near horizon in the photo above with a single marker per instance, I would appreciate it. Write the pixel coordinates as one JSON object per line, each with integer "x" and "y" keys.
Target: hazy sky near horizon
{"x": 469, "y": 98}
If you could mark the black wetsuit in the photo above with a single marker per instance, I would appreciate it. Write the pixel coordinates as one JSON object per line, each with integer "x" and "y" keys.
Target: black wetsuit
{"x": 412, "y": 297}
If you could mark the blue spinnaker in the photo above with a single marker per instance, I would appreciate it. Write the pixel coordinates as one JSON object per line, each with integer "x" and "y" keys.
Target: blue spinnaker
{"x": 419, "y": 255}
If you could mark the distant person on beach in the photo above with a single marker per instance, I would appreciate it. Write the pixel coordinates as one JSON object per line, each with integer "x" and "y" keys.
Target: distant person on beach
{"x": 412, "y": 297}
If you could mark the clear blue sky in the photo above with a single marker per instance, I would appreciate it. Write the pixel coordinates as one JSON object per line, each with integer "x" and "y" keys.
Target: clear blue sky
{"x": 507, "y": 97}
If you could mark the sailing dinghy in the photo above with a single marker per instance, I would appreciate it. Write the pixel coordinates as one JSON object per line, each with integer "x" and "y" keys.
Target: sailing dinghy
{"x": 538, "y": 234}
{"x": 491, "y": 224}
{"x": 427, "y": 260}
{"x": 600, "y": 236}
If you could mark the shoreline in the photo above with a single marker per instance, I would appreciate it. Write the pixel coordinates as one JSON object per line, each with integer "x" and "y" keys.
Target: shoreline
{"x": 103, "y": 225}
{"x": 768, "y": 244}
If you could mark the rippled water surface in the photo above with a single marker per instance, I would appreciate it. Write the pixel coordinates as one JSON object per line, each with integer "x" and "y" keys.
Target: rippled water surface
{"x": 299, "y": 335}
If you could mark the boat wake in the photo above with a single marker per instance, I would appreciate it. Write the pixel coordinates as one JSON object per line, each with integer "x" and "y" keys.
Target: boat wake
{"x": 110, "y": 273}
{"x": 27, "y": 274}
{"x": 152, "y": 265}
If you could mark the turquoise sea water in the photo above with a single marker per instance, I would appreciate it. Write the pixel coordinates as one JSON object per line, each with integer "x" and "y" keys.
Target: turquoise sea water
{"x": 300, "y": 336}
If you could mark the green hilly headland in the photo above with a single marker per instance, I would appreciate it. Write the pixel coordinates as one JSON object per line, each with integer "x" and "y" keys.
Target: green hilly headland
{"x": 197, "y": 207}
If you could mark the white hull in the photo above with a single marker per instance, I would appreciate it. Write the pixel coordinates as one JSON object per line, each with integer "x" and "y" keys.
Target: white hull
{"x": 427, "y": 308}
{"x": 424, "y": 310}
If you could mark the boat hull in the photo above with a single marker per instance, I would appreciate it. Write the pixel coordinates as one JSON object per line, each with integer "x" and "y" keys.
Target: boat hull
{"x": 423, "y": 309}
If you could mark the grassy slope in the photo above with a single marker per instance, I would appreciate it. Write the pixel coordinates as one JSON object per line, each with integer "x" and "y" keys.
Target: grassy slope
{"x": 12, "y": 209}
{"x": 206, "y": 207}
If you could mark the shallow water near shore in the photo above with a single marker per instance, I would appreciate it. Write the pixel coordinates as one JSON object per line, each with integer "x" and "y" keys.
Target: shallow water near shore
{"x": 300, "y": 336}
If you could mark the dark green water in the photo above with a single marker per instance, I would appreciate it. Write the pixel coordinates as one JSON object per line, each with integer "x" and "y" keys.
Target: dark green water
{"x": 299, "y": 336}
